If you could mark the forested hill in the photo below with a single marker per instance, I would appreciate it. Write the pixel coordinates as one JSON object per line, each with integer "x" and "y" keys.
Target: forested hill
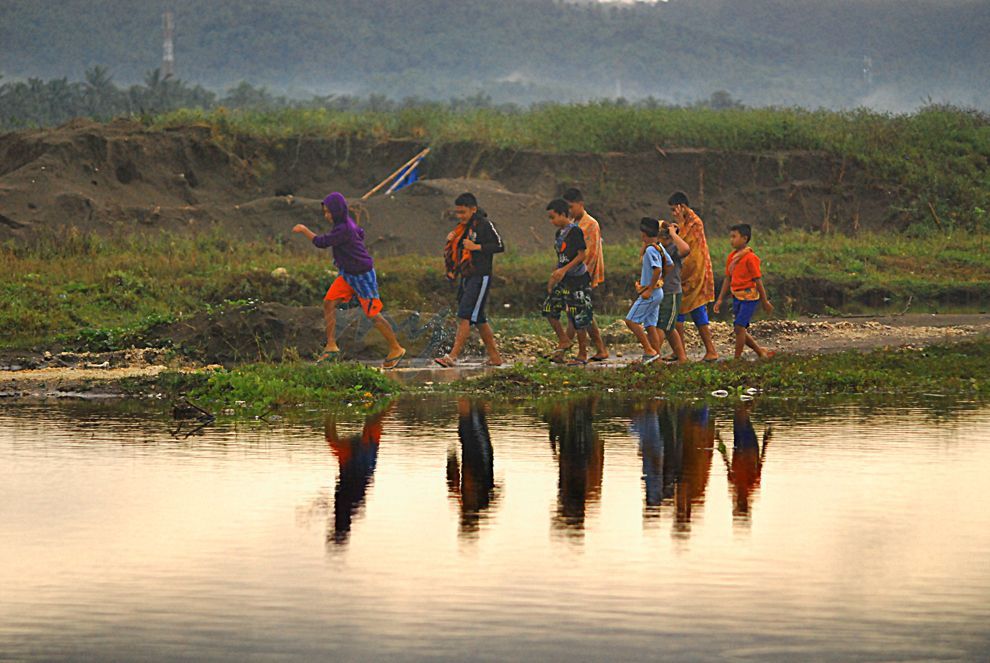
{"x": 803, "y": 52}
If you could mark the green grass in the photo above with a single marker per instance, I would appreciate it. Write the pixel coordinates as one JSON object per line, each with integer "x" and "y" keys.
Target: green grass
{"x": 255, "y": 388}
{"x": 959, "y": 368}
{"x": 88, "y": 293}
{"x": 937, "y": 155}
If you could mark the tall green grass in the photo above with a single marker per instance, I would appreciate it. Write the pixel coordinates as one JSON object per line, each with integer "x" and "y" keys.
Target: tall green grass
{"x": 103, "y": 291}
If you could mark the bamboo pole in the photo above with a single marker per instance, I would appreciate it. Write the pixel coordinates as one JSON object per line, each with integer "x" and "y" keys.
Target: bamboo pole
{"x": 405, "y": 175}
{"x": 395, "y": 174}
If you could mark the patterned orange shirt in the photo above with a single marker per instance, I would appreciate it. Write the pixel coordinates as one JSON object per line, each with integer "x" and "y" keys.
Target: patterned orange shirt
{"x": 697, "y": 277}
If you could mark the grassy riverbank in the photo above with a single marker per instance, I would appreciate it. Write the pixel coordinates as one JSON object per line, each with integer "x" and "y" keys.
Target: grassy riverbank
{"x": 90, "y": 293}
{"x": 957, "y": 368}
{"x": 960, "y": 369}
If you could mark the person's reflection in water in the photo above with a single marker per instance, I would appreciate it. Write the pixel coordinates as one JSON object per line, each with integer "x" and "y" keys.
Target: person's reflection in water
{"x": 692, "y": 464}
{"x": 581, "y": 456}
{"x": 651, "y": 448}
{"x": 472, "y": 482}
{"x": 357, "y": 456}
{"x": 746, "y": 466}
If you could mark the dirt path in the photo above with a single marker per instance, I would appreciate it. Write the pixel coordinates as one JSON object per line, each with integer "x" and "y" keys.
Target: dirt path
{"x": 96, "y": 375}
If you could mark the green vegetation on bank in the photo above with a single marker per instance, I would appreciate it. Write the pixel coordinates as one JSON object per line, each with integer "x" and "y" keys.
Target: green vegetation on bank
{"x": 255, "y": 388}
{"x": 938, "y": 157}
{"x": 944, "y": 369}
{"x": 958, "y": 368}
{"x": 89, "y": 293}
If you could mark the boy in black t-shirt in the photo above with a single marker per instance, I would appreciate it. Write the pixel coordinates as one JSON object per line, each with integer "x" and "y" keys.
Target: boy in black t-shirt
{"x": 569, "y": 287}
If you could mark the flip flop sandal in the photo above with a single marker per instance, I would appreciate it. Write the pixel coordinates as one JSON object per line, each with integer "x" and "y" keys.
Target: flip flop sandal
{"x": 444, "y": 362}
{"x": 577, "y": 362}
{"x": 392, "y": 362}
{"x": 649, "y": 359}
{"x": 770, "y": 354}
{"x": 558, "y": 357}
{"x": 710, "y": 361}
{"x": 328, "y": 357}
{"x": 596, "y": 358}
{"x": 493, "y": 365}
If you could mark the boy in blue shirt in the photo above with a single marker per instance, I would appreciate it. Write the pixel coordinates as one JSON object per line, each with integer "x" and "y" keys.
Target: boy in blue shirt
{"x": 644, "y": 315}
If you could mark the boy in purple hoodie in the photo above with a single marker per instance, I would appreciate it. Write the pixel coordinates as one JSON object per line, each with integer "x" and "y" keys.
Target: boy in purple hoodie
{"x": 357, "y": 277}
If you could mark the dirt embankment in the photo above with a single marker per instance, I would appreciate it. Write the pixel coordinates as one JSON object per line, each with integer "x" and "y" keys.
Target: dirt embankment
{"x": 122, "y": 178}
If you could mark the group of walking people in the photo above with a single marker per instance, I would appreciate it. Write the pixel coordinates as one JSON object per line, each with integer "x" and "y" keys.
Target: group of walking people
{"x": 676, "y": 281}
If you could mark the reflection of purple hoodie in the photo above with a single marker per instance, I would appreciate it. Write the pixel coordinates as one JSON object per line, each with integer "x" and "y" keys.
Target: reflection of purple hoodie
{"x": 346, "y": 238}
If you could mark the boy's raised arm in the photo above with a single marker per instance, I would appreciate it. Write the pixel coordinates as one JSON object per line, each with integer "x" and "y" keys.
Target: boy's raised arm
{"x": 683, "y": 248}
{"x": 304, "y": 230}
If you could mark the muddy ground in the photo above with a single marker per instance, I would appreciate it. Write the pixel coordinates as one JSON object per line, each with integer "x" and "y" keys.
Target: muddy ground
{"x": 122, "y": 178}
{"x": 276, "y": 332}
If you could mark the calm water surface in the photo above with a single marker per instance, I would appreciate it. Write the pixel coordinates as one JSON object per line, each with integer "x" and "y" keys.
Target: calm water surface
{"x": 445, "y": 528}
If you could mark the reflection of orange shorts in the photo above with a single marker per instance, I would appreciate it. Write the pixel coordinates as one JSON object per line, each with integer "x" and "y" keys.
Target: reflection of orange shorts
{"x": 343, "y": 291}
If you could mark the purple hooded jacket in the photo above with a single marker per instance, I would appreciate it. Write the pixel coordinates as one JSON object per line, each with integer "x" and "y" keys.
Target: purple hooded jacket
{"x": 346, "y": 238}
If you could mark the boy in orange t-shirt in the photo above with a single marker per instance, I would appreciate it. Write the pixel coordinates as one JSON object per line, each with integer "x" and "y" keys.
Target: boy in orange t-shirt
{"x": 743, "y": 275}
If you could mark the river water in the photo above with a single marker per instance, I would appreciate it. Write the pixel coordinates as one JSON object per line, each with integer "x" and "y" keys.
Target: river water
{"x": 446, "y": 528}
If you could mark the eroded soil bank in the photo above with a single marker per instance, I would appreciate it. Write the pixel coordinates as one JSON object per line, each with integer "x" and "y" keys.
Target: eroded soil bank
{"x": 125, "y": 178}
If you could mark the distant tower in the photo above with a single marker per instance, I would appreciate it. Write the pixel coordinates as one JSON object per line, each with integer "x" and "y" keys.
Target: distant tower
{"x": 168, "y": 49}
{"x": 868, "y": 70}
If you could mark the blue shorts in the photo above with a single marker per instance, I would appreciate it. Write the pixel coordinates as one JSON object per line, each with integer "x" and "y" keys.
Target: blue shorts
{"x": 472, "y": 295}
{"x": 699, "y": 315}
{"x": 646, "y": 311}
{"x": 743, "y": 311}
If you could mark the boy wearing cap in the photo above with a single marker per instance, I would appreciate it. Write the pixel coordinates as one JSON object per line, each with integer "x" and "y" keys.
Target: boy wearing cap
{"x": 356, "y": 277}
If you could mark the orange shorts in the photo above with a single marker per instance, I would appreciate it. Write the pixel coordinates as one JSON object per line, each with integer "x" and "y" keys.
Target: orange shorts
{"x": 341, "y": 290}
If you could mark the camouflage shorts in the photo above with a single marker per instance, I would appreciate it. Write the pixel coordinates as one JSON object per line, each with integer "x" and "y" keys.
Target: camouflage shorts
{"x": 574, "y": 301}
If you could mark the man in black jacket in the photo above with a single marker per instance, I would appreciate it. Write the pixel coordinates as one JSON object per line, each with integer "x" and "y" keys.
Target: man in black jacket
{"x": 469, "y": 251}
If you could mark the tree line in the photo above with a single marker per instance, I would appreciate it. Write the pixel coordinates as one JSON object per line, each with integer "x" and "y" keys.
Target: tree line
{"x": 889, "y": 54}
{"x": 44, "y": 103}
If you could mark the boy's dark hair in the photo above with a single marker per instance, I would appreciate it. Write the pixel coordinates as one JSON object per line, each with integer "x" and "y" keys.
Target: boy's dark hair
{"x": 743, "y": 229}
{"x": 649, "y": 226}
{"x": 466, "y": 200}
{"x": 559, "y": 205}
{"x": 678, "y": 198}
{"x": 573, "y": 195}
